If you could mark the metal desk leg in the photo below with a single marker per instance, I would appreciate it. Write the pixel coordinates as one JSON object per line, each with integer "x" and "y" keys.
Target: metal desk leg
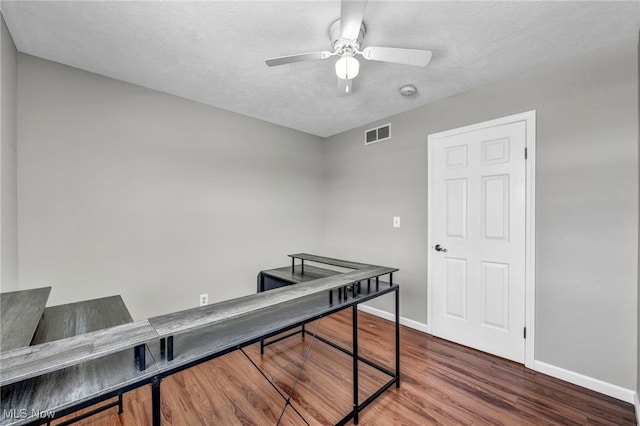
{"x": 139, "y": 355}
{"x": 169, "y": 348}
{"x": 397, "y": 337}
{"x": 260, "y": 282}
{"x": 155, "y": 401}
{"x": 355, "y": 363}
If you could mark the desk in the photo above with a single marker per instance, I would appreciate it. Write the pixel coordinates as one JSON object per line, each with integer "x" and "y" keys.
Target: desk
{"x": 65, "y": 375}
{"x": 72, "y": 319}
{"x": 68, "y": 389}
{"x": 280, "y": 277}
{"x": 20, "y": 313}
{"x": 349, "y": 296}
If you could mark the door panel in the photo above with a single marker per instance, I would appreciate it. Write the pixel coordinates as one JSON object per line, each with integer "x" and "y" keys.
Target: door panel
{"x": 477, "y": 182}
{"x": 456, "y": 208}
{"x": 495, "y": 207}
{"x": 495, "y": 295}
{"x": 456, "y": 282}
{"x": 495, "y": 151}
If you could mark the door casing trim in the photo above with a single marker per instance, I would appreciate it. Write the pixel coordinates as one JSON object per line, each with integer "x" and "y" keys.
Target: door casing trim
{"x": 529, "y": 118}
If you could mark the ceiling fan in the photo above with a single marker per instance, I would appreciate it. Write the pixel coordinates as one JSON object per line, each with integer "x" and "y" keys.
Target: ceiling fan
{"x": 346, "y": 36}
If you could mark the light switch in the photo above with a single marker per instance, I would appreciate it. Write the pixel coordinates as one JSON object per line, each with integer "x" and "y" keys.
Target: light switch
{"x": 396, "y": 221}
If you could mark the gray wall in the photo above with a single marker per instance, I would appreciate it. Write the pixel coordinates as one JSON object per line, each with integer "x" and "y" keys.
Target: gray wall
{"x": 124, "y": 190}
{"x": 587, "y": 203}
{"x": 8, "y": 165}
{"x": 130, "y": 191}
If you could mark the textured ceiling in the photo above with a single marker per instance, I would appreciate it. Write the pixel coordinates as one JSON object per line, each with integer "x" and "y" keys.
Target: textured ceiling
{"x": 214, "y": 52}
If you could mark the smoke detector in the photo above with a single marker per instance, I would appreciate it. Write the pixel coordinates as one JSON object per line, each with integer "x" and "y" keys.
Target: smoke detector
{"x": 408, "y": 90}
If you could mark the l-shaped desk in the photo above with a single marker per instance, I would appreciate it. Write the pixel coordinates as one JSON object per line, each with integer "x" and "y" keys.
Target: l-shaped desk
{"x": 93, "y": 367}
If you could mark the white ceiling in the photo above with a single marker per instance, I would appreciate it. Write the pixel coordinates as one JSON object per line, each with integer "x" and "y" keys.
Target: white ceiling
{"x": 213, "y": 52}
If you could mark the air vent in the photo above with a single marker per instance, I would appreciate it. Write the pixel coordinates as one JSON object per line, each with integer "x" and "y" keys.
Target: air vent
{"x": 378, "y": 134}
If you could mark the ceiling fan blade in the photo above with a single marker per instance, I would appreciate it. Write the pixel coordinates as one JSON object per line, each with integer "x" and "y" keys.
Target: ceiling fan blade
{"x": 351, "y": 15}
{"x": 400, "y": 56}
{"x": 281, "y": 60}
{"x": 345, "y": 87}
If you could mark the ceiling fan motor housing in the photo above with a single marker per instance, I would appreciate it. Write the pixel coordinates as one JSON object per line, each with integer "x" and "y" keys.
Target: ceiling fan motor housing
{"x": 341, "y": 45}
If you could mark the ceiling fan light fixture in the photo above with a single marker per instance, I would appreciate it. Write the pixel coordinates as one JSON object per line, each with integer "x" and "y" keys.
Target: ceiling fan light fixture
{"x": 347, "y": 67}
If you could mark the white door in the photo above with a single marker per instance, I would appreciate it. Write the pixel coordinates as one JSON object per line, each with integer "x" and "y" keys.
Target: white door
{"x": 477, "y": 236}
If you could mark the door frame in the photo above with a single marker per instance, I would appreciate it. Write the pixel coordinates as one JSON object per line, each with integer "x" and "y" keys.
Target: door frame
{"x": 529, "y": 118}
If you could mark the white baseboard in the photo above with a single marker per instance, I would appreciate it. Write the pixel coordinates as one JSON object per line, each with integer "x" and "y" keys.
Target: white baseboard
{"x": 600, "y": 386}
{"x": 609, "y": 389}
{"x": 391, "y": 317}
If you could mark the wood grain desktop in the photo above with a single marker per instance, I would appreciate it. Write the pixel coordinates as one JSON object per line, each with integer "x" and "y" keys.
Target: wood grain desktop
{"x": 32, "y": 361}
{"x": 190, "y": 319}
{"x": 65, "y": 371}
{"x": 20, "y": 312}
{"x": 64, "y": 388}
{"x": 72, "y": 319}
{"x": 330, "y": 261}
{"x": 297, "y": 275}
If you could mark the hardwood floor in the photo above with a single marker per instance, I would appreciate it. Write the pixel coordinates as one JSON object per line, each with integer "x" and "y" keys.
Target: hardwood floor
{"x": 441, "y": 383}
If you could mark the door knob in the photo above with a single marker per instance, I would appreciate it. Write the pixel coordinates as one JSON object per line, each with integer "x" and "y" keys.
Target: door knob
{"x": 438, "y": 247}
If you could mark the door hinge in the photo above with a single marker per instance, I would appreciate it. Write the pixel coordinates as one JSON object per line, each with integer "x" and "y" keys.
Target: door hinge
{"x": 525, "y": 332}
{"x": 526, "y": 154}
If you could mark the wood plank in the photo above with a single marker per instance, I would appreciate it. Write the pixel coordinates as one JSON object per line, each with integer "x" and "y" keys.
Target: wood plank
{"x": 20, "y": 312}
{"x": 298, "y": 275}
{"x": 191, "y": 319}
{"x": 93, "y": 364}
{"x": 217, "y": 392}
{"x": 99, "y": 376}
{"x": 330, "y": 261}
{"x": 31, "y": 361}
{"x": 71, "y": 319}
{"x": 62, "y": 389}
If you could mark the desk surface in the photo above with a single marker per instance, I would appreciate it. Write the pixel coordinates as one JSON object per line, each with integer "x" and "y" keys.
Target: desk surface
{"x": 72, "y": 319}
{"x": 60, "y": 389}
{"x": 20, "y": 312}
{"x": 63, "y": 373}
{"x": 239, "y": 331}
{"x": 31, "y": 361}
{"x": 330, "y": 261}
{"x": 191, "y": 319}
{"x": 298, "y": 275}
{"x": 66, "y": 388}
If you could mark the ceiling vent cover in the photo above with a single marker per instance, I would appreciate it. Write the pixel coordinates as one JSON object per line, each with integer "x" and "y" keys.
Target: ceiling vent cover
{"x": 378, "y": 134}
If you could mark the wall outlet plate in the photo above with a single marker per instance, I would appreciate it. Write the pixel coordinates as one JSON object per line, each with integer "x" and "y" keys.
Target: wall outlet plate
{"x": 204, "y": 299}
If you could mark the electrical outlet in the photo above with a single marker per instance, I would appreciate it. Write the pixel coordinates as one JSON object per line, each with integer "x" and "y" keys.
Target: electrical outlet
{"x": 204, "y": 299}
{"x": 396, "y": 221}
